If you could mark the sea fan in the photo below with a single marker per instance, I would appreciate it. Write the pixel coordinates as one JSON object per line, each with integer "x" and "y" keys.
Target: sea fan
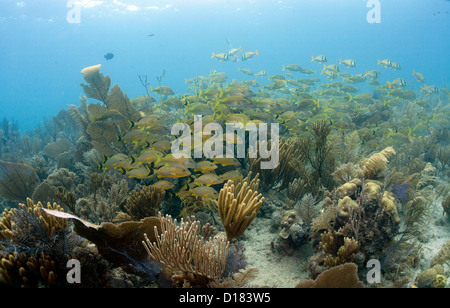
{"x": 377, "y": 163}
{"x": 307, "y": 210}
{"x": 31, "y": 237}
{"x": 400, "y": 191}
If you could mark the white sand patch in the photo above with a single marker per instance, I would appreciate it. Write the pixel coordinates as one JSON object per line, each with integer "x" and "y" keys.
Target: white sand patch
{"x": 275, "y": 270}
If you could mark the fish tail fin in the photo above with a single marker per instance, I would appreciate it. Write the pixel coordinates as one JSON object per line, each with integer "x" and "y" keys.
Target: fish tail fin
{"x": 284, "y": 68}
{"x": 131, "y": 124}
{"x": 256, "y": 52}
{"x": 349, "y": 97}
{"x": 151, "y": 169}
{"x": 99, "y": 166}
{"x": 158, "y": 160}
{"x": 122, "y": 170}
{"x": 316, "y": 101}
{"x": 212, "y": 55}
{"x": 379, "y": 62}
{"x": 389, "y": 84}
{"x": 340, "y": 61}
{"x": 132, "y": 159}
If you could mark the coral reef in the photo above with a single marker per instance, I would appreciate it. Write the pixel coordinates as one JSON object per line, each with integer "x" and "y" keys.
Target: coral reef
{"x": 432, "y": 278}
{"x": 118, "y": 243}
{"x": 34, "y": 246}
{"x": 377, "y": 163}
{"x": 307, "y": 210}
{"x": 98, "y": 84}
{"x": 238, "y": 206}
{"x": 443, "y": 256}
{"x": 17, "y": 181}
{"x": 182, "y": 247}
{"x": 339, "y": 196}
{"x": 144, "y": 202}
{"x": 343, "y": 276}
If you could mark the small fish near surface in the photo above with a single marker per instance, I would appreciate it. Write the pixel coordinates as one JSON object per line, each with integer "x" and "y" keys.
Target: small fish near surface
{"x": 163, "y": 90}
{"x": 221, "y": 56}
{"x": 108, "y": 56}
{"x": 248, "y": 55}
{"x": 419, "y": 76}
{"x": 428, "y": 90}
{"x": 319, "y": 59}
{"x": 292, "y": 68}
{"x": 246, "y": 71}
{"x": 386, "y": 63}
{"x": 396, "y": 83}
{"x": 348, "y": 62}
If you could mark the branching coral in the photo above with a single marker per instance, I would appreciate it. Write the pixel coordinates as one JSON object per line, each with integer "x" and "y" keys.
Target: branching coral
{"x": 33, "y": 244}
{"x": 377, "y": 163}
{"x": 297, "y": 189}
{"x": 327, "y": 219}
{"x": 337, "y": 253}
{"x": 416, "y": 217}
{"x": 28, "y": 270}
{"x": 313, "y": 160}
{"x": 347, "y": 172}
{"x": 359, "y": 216}
{"x": 282, "y": 174}
{"x": 192, "y": 204}
{"x": 66, "y": 197}
{"x": 62, "y": 177}
{"x": 103, "y": 198}
{"x": 144, "y": 202}
{"x": 319, "y": 152}
{"x": 238, "y": 206}
{"x": 52, "y": 225}
{"x": 346, "y": 253}
{"x": 181, "y": 247}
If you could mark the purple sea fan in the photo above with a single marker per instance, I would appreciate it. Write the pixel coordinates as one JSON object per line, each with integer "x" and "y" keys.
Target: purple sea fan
{"x": 235, "y": 259}
{"x": 400, "y": 191}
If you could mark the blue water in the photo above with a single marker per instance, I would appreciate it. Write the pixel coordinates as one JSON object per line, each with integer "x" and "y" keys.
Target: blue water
{"x": 42, "y": 54}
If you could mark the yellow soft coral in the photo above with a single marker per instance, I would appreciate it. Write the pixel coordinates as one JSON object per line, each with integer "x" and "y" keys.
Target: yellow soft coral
{"x": 388, "y": 204}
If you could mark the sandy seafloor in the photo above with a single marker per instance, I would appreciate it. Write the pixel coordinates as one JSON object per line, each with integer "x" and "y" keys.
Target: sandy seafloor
{"x": 286, "y": 271}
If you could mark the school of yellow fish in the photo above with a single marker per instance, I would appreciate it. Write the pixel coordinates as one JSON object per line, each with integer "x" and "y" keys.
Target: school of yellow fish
{"x": 295, "y": 97}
